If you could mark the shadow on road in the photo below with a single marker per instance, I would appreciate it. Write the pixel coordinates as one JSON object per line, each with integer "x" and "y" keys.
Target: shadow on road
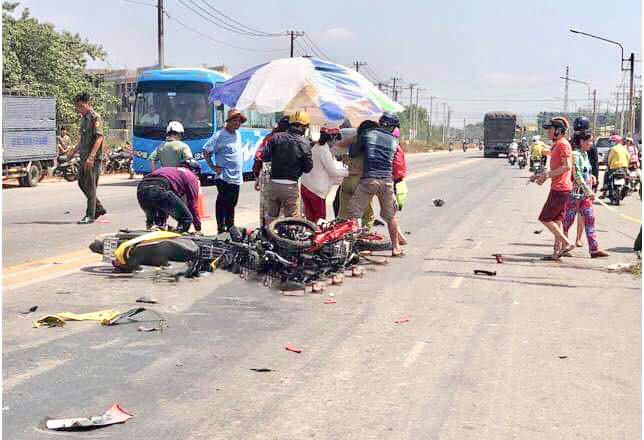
{"x": 44, "y": 222}
{"x": 133, "y": 182}
{"x": 621, "y": 250}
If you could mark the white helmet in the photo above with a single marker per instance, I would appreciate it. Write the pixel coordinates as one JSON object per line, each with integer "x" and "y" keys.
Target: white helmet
{"x": 174, "y": 126}
{"x": 536, "y": 138}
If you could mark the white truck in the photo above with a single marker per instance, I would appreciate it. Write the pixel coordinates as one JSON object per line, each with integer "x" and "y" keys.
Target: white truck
{"x": 28, "y": 137}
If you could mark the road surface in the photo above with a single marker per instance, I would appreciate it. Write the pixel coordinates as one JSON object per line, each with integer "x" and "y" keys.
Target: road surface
{"x": 542, "y": 350}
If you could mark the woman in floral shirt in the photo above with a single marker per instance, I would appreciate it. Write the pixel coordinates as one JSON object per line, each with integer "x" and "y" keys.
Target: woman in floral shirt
{"x": 582, "y": 196}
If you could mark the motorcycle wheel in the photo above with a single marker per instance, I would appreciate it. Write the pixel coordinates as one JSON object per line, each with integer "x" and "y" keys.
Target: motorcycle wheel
{"x": 275, "y": 229}
{"x": 372, "y": 242}
{"x": 71, "y": 175}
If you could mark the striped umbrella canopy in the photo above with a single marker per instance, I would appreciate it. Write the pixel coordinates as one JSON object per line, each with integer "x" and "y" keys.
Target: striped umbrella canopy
{"x": 329, "y": 92}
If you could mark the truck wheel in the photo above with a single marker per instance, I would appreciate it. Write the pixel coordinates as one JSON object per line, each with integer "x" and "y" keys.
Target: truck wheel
{"x": 32, "y": 177}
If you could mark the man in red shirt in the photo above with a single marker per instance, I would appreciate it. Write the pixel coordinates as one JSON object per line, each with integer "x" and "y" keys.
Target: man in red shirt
{"x": 560, "y": 174}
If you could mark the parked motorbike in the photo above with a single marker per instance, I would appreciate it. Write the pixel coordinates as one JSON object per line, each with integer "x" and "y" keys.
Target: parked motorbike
{"x": 634, "y": 182}
{"x": 617, "y": 188}
{"x": 67, "y": 168}
{"x": 118, "y": 161}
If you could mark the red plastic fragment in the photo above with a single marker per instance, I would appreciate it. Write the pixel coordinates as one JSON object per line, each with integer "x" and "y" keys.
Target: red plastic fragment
{"x": 290, "y": 347}
{"x": 104, "y": 222}
{"x": 405, "y": 318}
{"x": 330, "y": 301}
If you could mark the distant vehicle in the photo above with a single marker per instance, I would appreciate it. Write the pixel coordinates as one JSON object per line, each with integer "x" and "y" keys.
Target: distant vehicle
{"x": 603, "y": 144}
{"x": 28, "y": 137}
{"x": 499, "y": 128}
{"x": 180, "y": 94}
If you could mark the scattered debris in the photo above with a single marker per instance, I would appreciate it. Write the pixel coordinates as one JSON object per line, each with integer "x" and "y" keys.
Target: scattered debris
{"x": 378, "y": 222}
{"x": 562, "y": 357}
{"x": 261, "y": 370}
{"x": 469, "y": 239}
{"x": 114, "y": 414}
{"x": 49, "y": 321}
{"x": 99, "y": 316}
{"x": 438, "y": 202}
{"x": 484, "y": 272}
{"x": 405, "y": 318}
{"x": 64, "y": 292}
{"x": 67, "y": 212}
{"x": 132, "y": 315}
{"x": 330, "y": 301}
{"x": 317, "y": 287}
{"x": 147, "y": 329}
{"x": 337, "y": 279}
{"x": 538, "y": 231}
{"x": 620, "y": 267}
{"x": 290, "y": 347}
{"x": 499, "y": 258}
{"x": 179, "y": 364}
{"x": 31, "y": 310}
{"x": 103, "y": 222}
{"x": 146, "y": 299}
{"x": 331, "y": 294}
{"x": 407, "y": 232}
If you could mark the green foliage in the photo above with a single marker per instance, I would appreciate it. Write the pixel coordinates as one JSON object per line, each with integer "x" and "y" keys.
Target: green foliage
{"x": 38, "y": 60}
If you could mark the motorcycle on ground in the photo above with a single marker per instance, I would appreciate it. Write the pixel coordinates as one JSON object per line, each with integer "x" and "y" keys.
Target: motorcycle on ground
{"x": 66, "y": 168}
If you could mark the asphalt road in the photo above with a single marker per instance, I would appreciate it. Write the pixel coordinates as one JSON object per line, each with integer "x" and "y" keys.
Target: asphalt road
{"x": 542, "y": 350}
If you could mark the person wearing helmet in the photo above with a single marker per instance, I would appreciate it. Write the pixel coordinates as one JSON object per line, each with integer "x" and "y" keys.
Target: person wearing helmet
{"x": 580, "y": 203}
{"x": 261, "y": 169}
{"x": 618, "y": 160}
{"x": 173, "y": 151}
{"x": 226, "y": 147}
{"x": 378, "y": 147}
{"x": 160, "y": 194}
{"x": 326, "y": 172}
{"x": 560, "y": 173}
{"x": 289, "y": 154}
{"x": 633, "y": 153}
{"x": 536, "y": 151}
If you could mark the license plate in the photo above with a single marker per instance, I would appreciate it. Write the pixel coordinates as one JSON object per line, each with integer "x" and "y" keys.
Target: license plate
{"x": 620, "y": 181}
{"x": 109, "y": 247}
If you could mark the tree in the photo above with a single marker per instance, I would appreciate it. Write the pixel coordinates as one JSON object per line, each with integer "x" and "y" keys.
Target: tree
{"x": 40, "y": 61}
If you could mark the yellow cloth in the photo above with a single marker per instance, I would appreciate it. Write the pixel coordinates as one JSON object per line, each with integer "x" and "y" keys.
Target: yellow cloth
{"x": 49, "y": 321}
{"x": 58, "y": 320}
{"x": 121, "y": 252}
{"x": 618, "y": 157}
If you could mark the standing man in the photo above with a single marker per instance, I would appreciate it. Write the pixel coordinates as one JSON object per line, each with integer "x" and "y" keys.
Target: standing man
{"x": 560, "y": 173}
{"x": 226, "y": 147}
{"x": 378, "y": 147}
{"x": 172, "y": 152}
{"x": 63, "y": 142}
{"x": 290, "y": 156}
{"x": 90, "y": 148}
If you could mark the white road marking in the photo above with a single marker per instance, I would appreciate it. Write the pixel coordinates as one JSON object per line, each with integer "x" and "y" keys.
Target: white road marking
{"x": 414, "y": 353}
{"x": 456, "y": 283}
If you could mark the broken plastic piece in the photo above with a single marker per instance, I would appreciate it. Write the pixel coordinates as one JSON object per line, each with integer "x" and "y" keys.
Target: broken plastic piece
{"x": 290, "y": 347}
{"x": 49, "y": 321}
{"x": 261, "y": 370}
{"x": 538, "y": 231}
{"x": 405, "y": 318}
{"x": 31, "y": 310}
{"x": 330, "y": 301}
{"x": 147, "y": 329}
{"x": 146, "y": 299}
{"x": 114, "y": 414}
{"x": 499, "y": 258}
{"x": 484, "y": 272}
{"x": 131, "y": 316}
{"x": 620, "y": 267}
{"x": 438, "y": 202}
{"x": 100, "y": 316}
{"x": 562, "y": 357}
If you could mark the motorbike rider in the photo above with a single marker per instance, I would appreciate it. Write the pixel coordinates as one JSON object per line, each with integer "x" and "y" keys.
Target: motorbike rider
{"x": 535, "y": 151}
{"x": 378, "y": 147}
{"x": 633, "y": 152}
{"x": 290, "y": 156}
{"x": 580, "y": 203}
{"x": 173, "y": 151}
{"x": 160, "y": 195}
{"x": 618, "y": 161}
{"x": 513, "y": 150}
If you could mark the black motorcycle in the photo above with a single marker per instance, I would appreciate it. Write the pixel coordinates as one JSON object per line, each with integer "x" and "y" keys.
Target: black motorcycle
{"x": 67, "y": 168}
{"x": 523, "y": 161}
{"x": 118, "y": 161}
{"x": 617, "y": 188}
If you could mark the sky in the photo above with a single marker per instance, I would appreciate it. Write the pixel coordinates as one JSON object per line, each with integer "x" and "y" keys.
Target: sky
{"x": 477, "y": 56}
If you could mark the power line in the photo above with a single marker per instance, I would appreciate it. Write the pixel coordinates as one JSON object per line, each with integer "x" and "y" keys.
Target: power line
{"x": 509, "y": 99}
{"x": 217, "y": 21}
{"x": 140, "y": 3}
{"x": 266, "y": 34}
{"x": 306, "y": 37}
{"x": 219, "y": 41}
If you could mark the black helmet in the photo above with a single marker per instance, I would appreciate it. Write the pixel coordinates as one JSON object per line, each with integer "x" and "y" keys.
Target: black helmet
{"x": 192, "y": 165}
{"x": 581, "y": 125}
{"x": 389, "y": 120}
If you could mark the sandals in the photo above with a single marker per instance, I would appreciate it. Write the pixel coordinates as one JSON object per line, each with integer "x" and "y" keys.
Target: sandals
{"x": 400, "y": 254}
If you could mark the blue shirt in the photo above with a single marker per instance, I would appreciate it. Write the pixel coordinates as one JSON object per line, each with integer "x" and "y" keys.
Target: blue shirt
{"x": 228, "y": 153}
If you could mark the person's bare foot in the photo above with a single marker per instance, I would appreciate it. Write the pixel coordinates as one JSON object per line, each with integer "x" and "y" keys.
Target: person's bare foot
{"x": 397, "y": 253}
{"x": 578, "y": 243}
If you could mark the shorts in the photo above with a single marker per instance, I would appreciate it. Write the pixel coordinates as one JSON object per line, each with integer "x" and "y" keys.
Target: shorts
{"x": 555, "y": 206}
{"x": 367, "y": 188}
{"x": 282, "y": 197}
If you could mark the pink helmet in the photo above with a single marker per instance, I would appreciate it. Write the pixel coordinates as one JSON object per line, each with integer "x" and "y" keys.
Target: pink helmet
{"x": 616, "y": 138}
{"x": 396, "y": 132}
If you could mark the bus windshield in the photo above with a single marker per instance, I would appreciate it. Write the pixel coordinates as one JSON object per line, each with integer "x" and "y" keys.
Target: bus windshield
{"x": 158, "y": 103}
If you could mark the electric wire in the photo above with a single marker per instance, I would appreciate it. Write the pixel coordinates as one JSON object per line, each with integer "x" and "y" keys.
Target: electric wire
{"x": 261, "y": 33}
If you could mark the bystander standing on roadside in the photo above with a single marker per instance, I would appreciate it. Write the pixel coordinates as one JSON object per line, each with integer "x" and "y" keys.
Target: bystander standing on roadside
{"x": 290, "y": 156}
{"x": 90, "y": 148}
{"x": 226, "y": 148}
{"x": 63, "y": 142}
{"x": 560, "y": 173}
{"x": 326, "y": 172}
{"x": 173, "y": 151}
{"x": 399, "y": 169}
{"x": 580, "y": 203}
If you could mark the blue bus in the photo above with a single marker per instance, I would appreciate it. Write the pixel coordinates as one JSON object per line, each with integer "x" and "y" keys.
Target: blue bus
{"x": 179, "y": 94}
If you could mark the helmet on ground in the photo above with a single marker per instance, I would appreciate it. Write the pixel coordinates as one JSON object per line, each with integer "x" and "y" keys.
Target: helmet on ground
{"x": 174, "y": 127}
{"x": 300, "y": 117}
{"x": 389, "y": 120}
{"x": 192, "y": 165}
{"x": 559, "y": 123}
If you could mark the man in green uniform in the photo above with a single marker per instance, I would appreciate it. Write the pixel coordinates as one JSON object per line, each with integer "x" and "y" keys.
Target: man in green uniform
{"x": 90, "y": 148}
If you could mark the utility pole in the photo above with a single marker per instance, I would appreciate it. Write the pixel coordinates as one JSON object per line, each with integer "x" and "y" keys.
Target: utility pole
{"x": 463, "y": 129}
{"x": 443, "y": 124}
{"x": 595, "y": 112}
{"x": 431, "y": 107}
{"x": 294, "y": 35}
{"x": 358, "y": 65}
{"x": 160, "y": 33}
{"x": 394, "y": 89}
{"x": 411, "y": 110}
{"x": 631, "y": 109}
{"x": 565, "y": 106}
{"x": 416, "y": 114}
{"x": 449, "y": 117}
